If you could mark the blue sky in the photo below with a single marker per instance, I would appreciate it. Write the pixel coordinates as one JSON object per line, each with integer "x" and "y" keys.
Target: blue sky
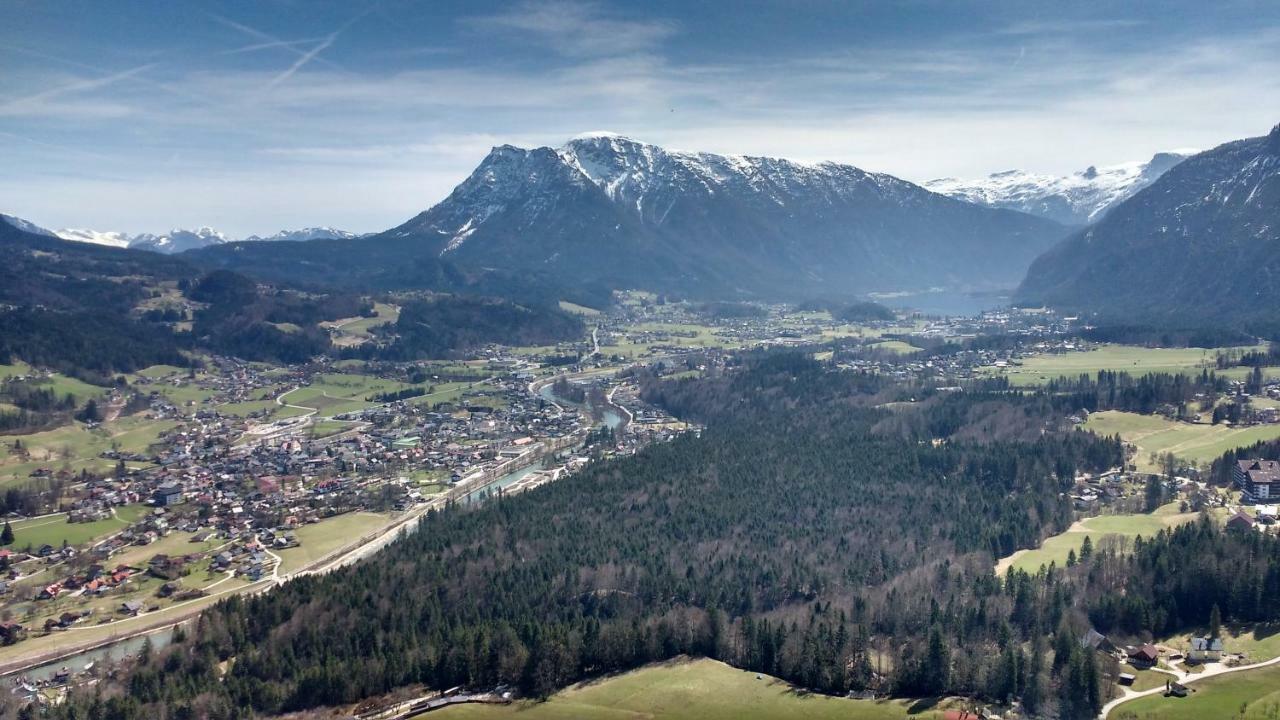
{"x": 267, "y": 114}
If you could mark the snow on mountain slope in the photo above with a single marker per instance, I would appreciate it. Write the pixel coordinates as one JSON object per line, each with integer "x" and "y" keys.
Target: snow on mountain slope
{"x": 303, "y": 235}
{"x": 25, "y": 225}
{"x": 176, "y": 241}
{"x": 609, "y": 209}
{"x": 1076, "y": 199}
{"x": 649, "y": 179}
{"x": 1199, "y": 245}
{"x": 112, "y": 239}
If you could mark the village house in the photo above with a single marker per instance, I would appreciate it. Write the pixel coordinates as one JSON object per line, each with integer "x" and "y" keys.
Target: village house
{"x": 12, "y": 632}
{"x": 1241, "y": 521}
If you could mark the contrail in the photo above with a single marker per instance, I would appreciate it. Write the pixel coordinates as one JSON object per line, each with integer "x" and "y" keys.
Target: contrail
{"x": 307, "y": 57}
{"x": 287, "y": 44}
{"x": 311, "y": 54}
{"x": 72, "y": 87}
{"x": 266, "y": 38}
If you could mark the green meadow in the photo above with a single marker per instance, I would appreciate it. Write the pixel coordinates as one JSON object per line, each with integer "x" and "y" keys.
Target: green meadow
{"x": 693, "y": 690}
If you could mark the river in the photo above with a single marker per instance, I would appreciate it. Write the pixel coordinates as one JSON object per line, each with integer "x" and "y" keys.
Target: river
{"x": 109, "y": 653}
{"x": 611, "y": 415}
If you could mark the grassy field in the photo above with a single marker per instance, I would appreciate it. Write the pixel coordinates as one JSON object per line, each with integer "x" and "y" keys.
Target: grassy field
{"x": 895, "y": 346}
{"x": 335, "y": 394}
{"x": 325, "y": 428}
{"x": 358, "y": 330}
{"x": 76, "y": 446}
{"x": 1201, "y": 443}
{"x": 1128, "y": 358}
{"x": 1250, "y": 694}
{"x": 578, "y": 309}
{"x": 692, "y": 690}
{"x": 59, "y": 384}
{"x": 1259, "y": 643}
{"x": 55, "y": 529}
{"x": 320, "y": 539}
{"x": 640, "y": 339}
{"x": 1056, "y": 548}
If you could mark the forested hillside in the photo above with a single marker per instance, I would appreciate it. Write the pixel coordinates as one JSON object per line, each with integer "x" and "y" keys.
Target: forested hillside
{"x": 95, "y": 312}
{"x": 764, "y": 542}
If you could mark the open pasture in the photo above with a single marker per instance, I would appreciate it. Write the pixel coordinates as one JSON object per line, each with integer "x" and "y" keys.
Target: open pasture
{"x": 1132, "y": 359}
{"x": 1199, "y": 442}
{"x": 694, "y": 690}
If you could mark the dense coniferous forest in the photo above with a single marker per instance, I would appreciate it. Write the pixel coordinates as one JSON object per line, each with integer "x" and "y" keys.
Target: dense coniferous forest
{"x": 762, "y": 542}
{"x": 1111, "y": 390}
{"x": 436, "y": 326}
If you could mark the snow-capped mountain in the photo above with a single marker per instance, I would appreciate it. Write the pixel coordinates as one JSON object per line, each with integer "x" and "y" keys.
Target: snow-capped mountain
{"x": 1200, "y": 243}
{"x": 609, "y": 209}
{"x": 1077, "y": 199}
{"x": 112, "y": 239}
{"x": 176, "y": 241}
{"x": 303, "y": 235}
{"x": 24, "y": 225}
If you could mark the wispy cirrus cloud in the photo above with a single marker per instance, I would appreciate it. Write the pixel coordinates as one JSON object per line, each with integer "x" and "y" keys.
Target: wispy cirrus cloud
{"x": 39, "y": 102}
{"x": 576, "y": 29}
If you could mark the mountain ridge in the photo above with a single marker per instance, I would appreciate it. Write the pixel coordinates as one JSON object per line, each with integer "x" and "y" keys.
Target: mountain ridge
{"x": 178, "y": 239}
{"x": 634, "y": 215}
{"x": 1077, "y": 199}
{"x": 1199, "y": 245}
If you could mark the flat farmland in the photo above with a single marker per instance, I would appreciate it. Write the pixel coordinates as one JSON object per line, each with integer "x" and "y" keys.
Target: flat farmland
{"x": 335, "y": 394}
{"x": 1200, "y": 442}
{"x": 1135, "y": 360}
{"x": 54, "y": 529}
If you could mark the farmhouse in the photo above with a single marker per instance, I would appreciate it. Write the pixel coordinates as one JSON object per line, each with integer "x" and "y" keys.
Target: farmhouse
{"x": 1241, "y": 521}
{"x": 1144, "y": 656}
{"x": 1259, "y": 479}
{"x": 1205, "y": 649}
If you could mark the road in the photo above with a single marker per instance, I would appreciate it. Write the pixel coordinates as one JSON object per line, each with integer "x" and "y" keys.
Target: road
{"x": 1183, "y": 677}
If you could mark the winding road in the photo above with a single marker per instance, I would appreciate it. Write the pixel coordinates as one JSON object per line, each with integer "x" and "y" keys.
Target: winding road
{"x": 1183, "y": 677}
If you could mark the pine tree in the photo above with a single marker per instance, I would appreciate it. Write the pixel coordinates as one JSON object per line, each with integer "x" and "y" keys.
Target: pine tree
{"x": 6, "y": 535}
{"x": 937, "y": 664}
{"x": 1215, "y": 621}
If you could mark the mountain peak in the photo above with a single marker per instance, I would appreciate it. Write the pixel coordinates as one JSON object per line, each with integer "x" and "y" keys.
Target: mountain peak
{"x": 1076, "y": 199}
{"x": 608, "y": 208}
{"x": 599, "y": 135}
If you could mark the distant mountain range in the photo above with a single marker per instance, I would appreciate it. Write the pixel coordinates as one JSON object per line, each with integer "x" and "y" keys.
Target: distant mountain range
{"x": 174, "y": 241}
{"x": 1200, "y": 244}
{"x": 608, "y": 210}
{"x": 1076, "y": 199}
